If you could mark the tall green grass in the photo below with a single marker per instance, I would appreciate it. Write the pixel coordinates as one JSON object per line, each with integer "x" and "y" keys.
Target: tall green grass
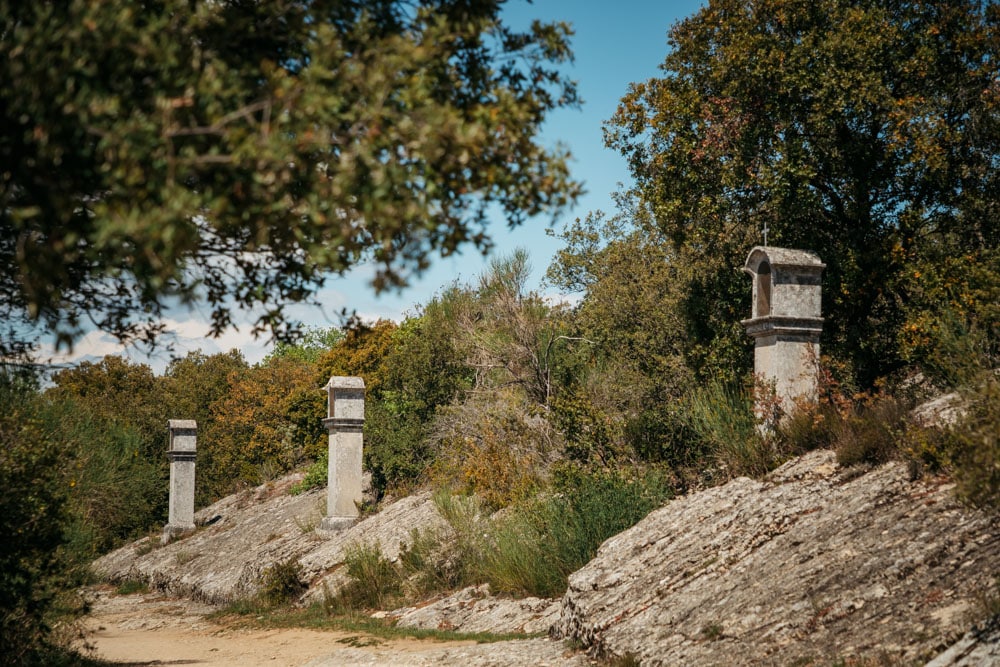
{"x": 533, "y": 547}
{"x": 723, "y": 417}
{"x": 528, "y": 549}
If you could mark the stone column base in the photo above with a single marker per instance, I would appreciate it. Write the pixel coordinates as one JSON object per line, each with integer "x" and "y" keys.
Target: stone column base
{"x": 172, "y": 532}
{"x": 337, "y": 523}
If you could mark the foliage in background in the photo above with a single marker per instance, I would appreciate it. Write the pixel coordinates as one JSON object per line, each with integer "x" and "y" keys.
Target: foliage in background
{"x": 310, "y": 345}
{"x": 952, "y": 328}
{"x": 117, "y": 494}
{"x": 193, "y": 383}
{"x": 510, "y": 336}
{"x": 498, "y": 447}
{"x": 269, "y": 421}
{"x": 111, "y": 416}
{"x": 361, "y": 352}
{"x": 267, "y": 146}
{"x": 120, "y": 392}
{"x": 423, "y": 371}
{"x": 36, "y": 569}
{"x": 867, "y": 133}
{"x": 624, "y": 398}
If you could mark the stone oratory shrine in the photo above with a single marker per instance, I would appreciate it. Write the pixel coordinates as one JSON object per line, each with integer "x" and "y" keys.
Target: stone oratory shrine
{"x": 786, "y": 321}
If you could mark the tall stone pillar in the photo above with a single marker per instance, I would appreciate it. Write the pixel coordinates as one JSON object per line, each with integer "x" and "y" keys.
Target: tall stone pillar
{"x": 786, "y": 321}
{"x": 345, "y": 421}
{"x": 181, "y": 452}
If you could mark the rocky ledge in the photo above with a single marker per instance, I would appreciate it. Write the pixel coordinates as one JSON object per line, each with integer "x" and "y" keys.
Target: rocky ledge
{"x": 816, "y": 563}
{"x": 812, "y": 565}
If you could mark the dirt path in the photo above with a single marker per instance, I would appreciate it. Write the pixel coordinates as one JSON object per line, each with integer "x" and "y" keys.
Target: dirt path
{"x": 152, "y": 629}
{"x": 145, "y": 629}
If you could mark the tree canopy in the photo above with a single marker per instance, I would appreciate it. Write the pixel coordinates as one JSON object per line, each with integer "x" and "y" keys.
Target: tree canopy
{"x": 240, "y": 152}
{"x": 867, "y": 131}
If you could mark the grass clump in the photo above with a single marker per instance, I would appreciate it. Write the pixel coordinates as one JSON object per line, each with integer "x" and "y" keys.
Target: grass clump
{"x": 723, "y": 418}
{"x": 374, "y": 581}
{"x": 131, "y": 587}
{"x": 532, "y": 547}
{"x": 282, "y": 582}
{"x": 280, "y": 585}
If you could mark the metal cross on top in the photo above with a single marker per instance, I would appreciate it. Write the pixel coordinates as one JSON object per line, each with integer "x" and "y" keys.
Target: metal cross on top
{"x": 765, "y": 233}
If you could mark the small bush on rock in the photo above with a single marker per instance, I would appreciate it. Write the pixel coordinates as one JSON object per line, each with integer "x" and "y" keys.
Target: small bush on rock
{"x": 974, "y": 447}
{"x": 282, "y": 582}
{"x": 373, "y": 580}
{"x": 871, "y": 432}
{"x": 316, "y": 475}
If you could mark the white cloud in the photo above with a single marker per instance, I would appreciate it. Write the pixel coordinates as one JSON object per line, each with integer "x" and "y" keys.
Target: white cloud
{"x": 187, "y": 328}
{"x": 94, "y": 344}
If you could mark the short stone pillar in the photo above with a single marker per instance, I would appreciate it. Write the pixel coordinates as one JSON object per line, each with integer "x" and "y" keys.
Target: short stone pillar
{"x": 345, "y": 421}
{"x": 181, "y": 452}
{"x": 786, "y": 321}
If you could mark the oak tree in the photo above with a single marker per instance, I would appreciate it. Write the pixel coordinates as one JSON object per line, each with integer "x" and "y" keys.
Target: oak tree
{"x": 239, "y": 153}
{"x": 867, "y": 131}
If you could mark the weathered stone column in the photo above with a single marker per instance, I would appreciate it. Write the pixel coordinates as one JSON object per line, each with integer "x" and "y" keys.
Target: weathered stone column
{"x": 345, "y": 421}
{"x": 181, "y": 452}
{"x": 786, "y": 321}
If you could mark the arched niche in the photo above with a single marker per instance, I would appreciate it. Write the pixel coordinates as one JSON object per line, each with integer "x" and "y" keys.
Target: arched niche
{"x": 762, "y": 307}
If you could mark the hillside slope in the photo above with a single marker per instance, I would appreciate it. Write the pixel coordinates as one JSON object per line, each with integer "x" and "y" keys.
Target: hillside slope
{"x": 814, "y": 564}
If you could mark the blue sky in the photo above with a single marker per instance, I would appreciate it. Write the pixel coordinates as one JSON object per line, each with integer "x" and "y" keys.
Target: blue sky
{"x": 615, "y": 44}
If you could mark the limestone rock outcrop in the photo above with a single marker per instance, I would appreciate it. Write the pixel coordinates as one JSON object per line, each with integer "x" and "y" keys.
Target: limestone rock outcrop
{"x": 474, "y": 609}
{"x": 242, "y": 535}
{"x": 814, "y": 563}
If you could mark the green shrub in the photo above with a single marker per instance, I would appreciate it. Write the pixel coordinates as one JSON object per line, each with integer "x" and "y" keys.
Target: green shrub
{"x": 870, "y": 429}
{"x": 665, "y": 436}
{"x": 316, "y": 474}
{"x": 373, "y": 580}
{"x": 813, "y": 427}
{"x": 592, "y": 436}
{"x": 396, "y": 449}
{"x": 37, "y": 572}
{"x": 974, "y": 447}
{"x": 282, "y": 582}
{"x": 723, "y": 418}
{"x": 117, "y": 493}
{"x": 870, "y": 433}
{"x": 499, "y": 447}
{"x": 533, "y": 546}
{"x": 426, "y": 564}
